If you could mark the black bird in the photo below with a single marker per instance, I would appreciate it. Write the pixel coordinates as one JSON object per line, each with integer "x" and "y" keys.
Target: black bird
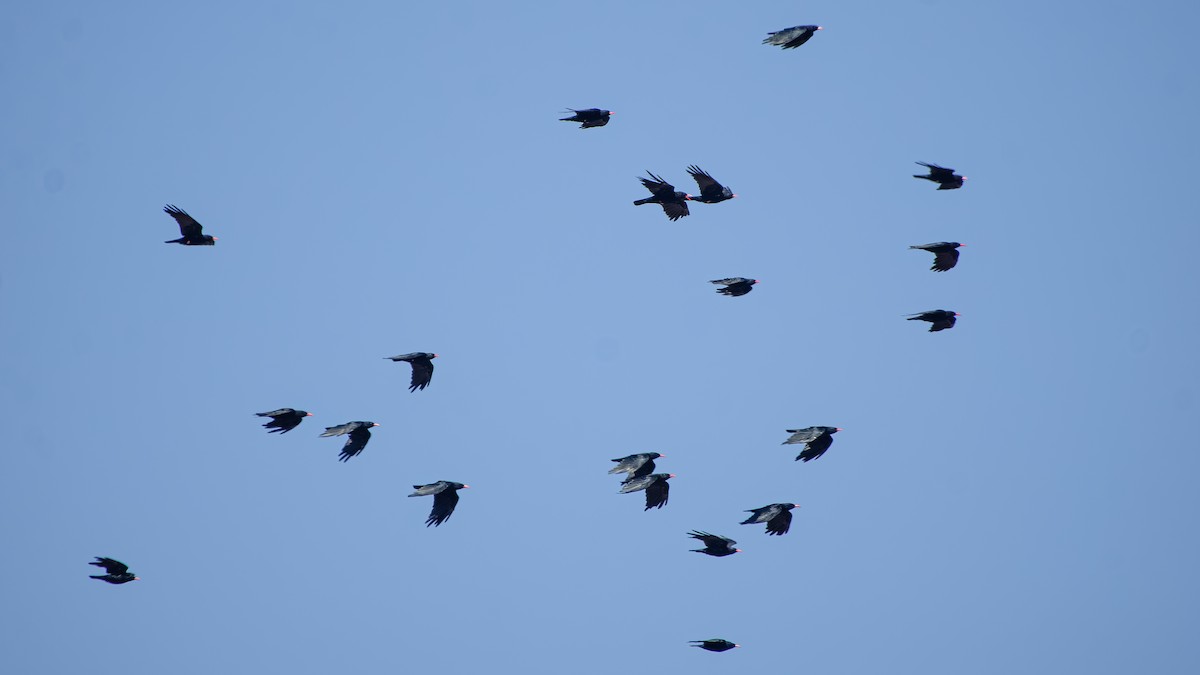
{"x": 941, "y": 319}
{"x": 445, "y": 498}
{"x": 778, "y": 517}
{"x": 711, "y": 192}
{"x": 790, "y": 38}
{"x": 735, "y": 286}
{"x": 636, "y": 466}
{"x": 592, "y": 117}
{"x": 422, "y": 366}
{"x": 192, "y": 231}
{"x": 816, "y": 441}
{"x": 117, "y": 571}
{"x": 656, "y": 486}
{"x": 714, "y": 645}
{"x": 714, "y": 544}
{"x": 945, "y": 254}
{"x": 945, "y": 178}
{"x": 360, "y": 433}
{"x": 673, "y": 202}
{"x": 284, "y": 419}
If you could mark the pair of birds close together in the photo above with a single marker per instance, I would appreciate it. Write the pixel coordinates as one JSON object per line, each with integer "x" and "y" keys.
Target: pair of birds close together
{"x": 674, "y": 202}
{"x": 639, "y": 470}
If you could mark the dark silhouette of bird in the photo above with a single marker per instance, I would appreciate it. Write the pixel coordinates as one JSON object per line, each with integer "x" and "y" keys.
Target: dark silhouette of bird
{"x": 940, "y": 319}
{"x": 711, "y": 192}
{"x": 422, "y": 368}
{"x": 283, "y": 420}
{"x": 636, "y": 466}
{"x": 714, "y": 645}
{"x": 945, "y": 254}
{"x": 673, "y": 202}
{"x": 117, "y": 571}
{"x": 816, "y": 441}
{"x": 790, "y": 38}
{"x": 945, "y": 178}
{"x": 360, "y": 433}
{"x": 778, "y": 517}
{"x": 735, "y": 286}
{"x": 192, "y": 231}
{"x": 656, "y": 486}
{"x": 592, "y": 117}
{"x": 445, "y": 498}
{"x": 714, "y": 544}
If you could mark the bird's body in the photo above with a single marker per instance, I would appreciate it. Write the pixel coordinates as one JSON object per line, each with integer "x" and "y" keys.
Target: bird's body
{"x": 790, "y": 38}
{"x": 939, "y": 319}
{"x": 658, "y": 490}
{"x": 445, "y": 498}
{"x": 778, "y": 517}
{"x": 945, "y": 254}
{"x": 711, "y": 192}
{"x": 816, "y": 441}
{"x": 283, "y": 420}
{"x": 673, "y": 202}
{"x": 192, "y": 231}
{"x": 636, "y": 466}
{"x": 591, "y": 117}
{"x": 714, "y": 645}
{"x": 945, "y": 178}
{"x": 360, "y": 433}
{"x": 714, "y": 544}
{"x": 422, "y": 368}
{"x": 735, "y": 286}
{"x": 116, "y": 572}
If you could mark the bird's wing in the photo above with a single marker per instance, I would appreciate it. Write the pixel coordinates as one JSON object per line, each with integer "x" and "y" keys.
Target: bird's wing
{"x": 340, "y": 429}
{"x": 704, "y": 181}
{"x": 656, "y": 185}
{"x": 645, "y": 469}
{"x": 188, "y": 226}
{"x": 815, "y": 448}
{"x": 657, "y": 494}
{"x": 276, "y": 413}
{"x": 945, "y": 260}
{"x": 355, "y": 444}
{"x": 111, "y": 566}
{"x": 635, "y": 484}
{"x": 727, "y": 282}
{"x": 780, "y": 522}
{"x": 802, "y": 435}
{"x": 675, "y": 210}
{"x": 443, "y": 505}
{"x": 422, "y": 374}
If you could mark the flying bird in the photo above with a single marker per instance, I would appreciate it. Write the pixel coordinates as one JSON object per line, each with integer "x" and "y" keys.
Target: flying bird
{"x": 360, "y": 433}
{"x": 192, "y": 231}
{"x": 422, "y": 368}
{"x": 673, "y": 202}
{"x": 656, "y": 486}
{"x": 117, "y": 572}
{"x": 945, "y": 178}
{"x": 941, "y": 319}
{"x": 816, "y": 441}
{"x": 790, "y": 38}
{"x": 714, "y": 544}
{"x": 711, "y": 192}
{"x": 636, "y": 466}
{"x": 945, "y": 254}
{"x": 592, "y": 117}
{"x": 284, "y": 419}
{"x": 735, "y": 286}
{"x": 445, "y": 498}
{"x": 778, "y": 517}
{"x": 714, "y": 645}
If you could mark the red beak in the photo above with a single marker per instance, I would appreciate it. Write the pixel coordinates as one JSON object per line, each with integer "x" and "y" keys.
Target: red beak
{"x": 308, "y": 414}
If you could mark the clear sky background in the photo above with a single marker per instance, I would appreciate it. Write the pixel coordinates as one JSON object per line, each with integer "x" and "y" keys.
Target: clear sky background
{"x": 1014, "y": 495}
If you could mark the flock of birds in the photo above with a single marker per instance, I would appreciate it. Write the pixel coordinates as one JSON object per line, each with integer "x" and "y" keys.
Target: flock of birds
{"x": 639, "y": 469}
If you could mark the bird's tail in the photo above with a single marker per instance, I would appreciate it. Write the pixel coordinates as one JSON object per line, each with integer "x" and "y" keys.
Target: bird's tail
{"x": 914, "y": 318}
{"x": 648, "y": 200}
{"x": 93, "y": 576}
{"x": 174, "y": 241}
{"x": 920, "y": 176}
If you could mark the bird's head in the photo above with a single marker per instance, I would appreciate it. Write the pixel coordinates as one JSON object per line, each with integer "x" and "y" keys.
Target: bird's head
{"x": 820, "y": 28}
{"x": 433, "y": 356}
{"x": 957, "y": 314}
{"x": 955, "y": 244}
{"x": 307, "y": 414}
{"x": 753, "y": 281}
{"x": 372, "y": 424}
{"x": 656, "y": 455}
{"x": 794, "y": 506}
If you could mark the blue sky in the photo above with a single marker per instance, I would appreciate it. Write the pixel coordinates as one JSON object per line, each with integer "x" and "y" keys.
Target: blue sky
{"x": 1012, "y": 495}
